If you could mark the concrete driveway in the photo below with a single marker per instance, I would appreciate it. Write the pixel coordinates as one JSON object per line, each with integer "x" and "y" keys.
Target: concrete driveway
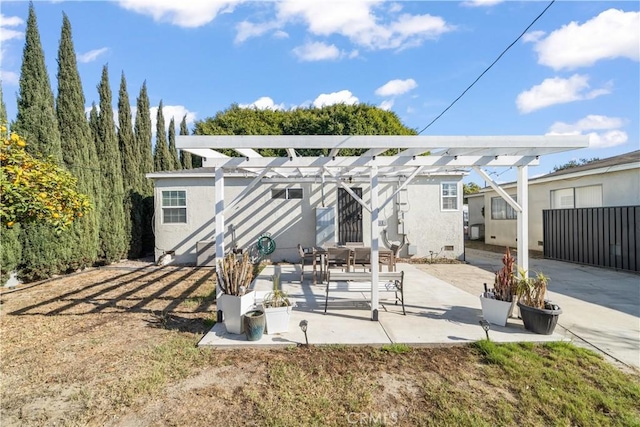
{"x": 601, "y": 307}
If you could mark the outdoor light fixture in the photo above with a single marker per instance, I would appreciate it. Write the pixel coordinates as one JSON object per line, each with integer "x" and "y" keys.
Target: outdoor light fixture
{"x": 486, "y": 326}
{"x": 495, "y": 158}
{"x": 303, "y": 327}
{"x": 455, "y": 157}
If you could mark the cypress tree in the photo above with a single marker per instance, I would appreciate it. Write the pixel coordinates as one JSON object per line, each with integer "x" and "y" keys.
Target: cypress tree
{"x": 131, "y": 176}
{"x": 145, "y": 155}
{"x": 76, "y": 142}
{"x": 36, "y": 118}
{"x": 161, "y": 157}
{"x": 186, "y": 159}
{"x": 112, "y": 228}
{"x": 93, "y": 125}
{"x": 44, "y": 252}
{"x": 173, "y": 151}
{"x": 143, "y": 139}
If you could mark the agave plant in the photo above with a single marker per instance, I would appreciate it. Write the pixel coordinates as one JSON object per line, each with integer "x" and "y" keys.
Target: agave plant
{"x": 532, "y": 290}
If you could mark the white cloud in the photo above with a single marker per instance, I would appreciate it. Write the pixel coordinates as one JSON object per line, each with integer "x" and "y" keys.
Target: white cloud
{"x": 263, "y": 103}
{"x": 246, "y": 30}
{"x": 603, "y": 131}
{"x": 189, "y": 14}
{"x": 8, "y": 33}
{"x": 9, "y": 77}
{"x": 481, "y": 3}
{"x": 611, "y": 34}
{"x": 317, "y": 51}
{"x": 169, "y": 111}
{"x": 92, "y": 55}
{"x": 396, "y": 87}
{"x": 386, "y": 104}
{"x": 557, "y": 91}
{"x": 279, "y": 34}
{"x": 341, "y": 97}
{"x": 364, "y": 23}
{"x": 533, "y": 36}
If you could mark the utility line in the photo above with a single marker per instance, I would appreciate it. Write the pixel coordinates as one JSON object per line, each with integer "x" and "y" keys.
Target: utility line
{"x": 489, "y": 67}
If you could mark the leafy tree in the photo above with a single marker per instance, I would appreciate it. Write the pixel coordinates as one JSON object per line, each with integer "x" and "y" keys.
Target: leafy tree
{"x": 575, "y": 163}
{"x": 337, "y": 119}
{"x": 112, "y": 229}
{"x": 186, "y": 159}
{"x": 36, "y": 117}
{"x": 470, "y": 188}
{"x": 161, "y": 157}
{"x": 78, "y": 148}
{"x": 36, "y": 191}
{"x": 10, "y": 247}
{"x": 131, "y": 174}
{"x": 44, "y": 251}
{"x": 173, "y": 152}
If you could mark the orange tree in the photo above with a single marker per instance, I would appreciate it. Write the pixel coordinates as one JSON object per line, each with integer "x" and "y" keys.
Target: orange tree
{"x": 35, "y": 190}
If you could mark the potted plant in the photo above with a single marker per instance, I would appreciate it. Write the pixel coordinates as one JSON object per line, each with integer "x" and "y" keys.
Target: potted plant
{"x": 538, "y": 314}
{"x": 254, "y": 323}
{"x": 277, "y": 308}
{"x": 497, "y": 303}
{"x": 234, "y": 277}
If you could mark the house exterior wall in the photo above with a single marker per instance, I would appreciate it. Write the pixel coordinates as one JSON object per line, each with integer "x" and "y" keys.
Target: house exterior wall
{"x": 621, "y": 188}
{"x": 293, "y": 221}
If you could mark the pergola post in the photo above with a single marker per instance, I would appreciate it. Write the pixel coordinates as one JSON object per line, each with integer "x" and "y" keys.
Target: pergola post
{"x": 523, "y": 218}
{"x": 375, "y": 242}
{"x": 219, "y": 212}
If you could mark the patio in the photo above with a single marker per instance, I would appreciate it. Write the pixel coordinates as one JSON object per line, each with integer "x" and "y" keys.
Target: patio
{"x": 437, "y": 314}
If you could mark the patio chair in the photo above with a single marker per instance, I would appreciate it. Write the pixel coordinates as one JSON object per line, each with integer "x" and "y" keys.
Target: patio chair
{"x": 337, "y": 258}
{"x": 307, "y": 257}
{"x": 361, "y": 258}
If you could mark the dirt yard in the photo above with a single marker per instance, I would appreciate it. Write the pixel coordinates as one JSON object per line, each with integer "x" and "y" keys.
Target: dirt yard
{"x": 115, "y": 346}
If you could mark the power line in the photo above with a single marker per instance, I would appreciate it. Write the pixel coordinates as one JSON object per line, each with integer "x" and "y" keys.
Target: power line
{"x": 489, "y": 67}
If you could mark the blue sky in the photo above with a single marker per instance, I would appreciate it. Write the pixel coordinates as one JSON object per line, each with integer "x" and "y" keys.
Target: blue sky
{"x": 575, "y": 71}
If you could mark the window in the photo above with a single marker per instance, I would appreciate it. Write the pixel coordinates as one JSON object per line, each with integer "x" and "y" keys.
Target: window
{"x": 287, "y": 193}
{"x": 449, "y": 193}
{"x": 174, "y": 207}
{"x": 500, "y": 209}
{"x": 578, "y": 197}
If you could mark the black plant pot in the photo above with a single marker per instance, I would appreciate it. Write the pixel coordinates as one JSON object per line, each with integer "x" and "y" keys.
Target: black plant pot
{"x": 254, "y": 323}
{"x": 540, "y": 321}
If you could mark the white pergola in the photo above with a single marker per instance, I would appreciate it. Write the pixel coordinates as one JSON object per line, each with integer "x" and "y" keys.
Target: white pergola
{"x": 413, "y": 156}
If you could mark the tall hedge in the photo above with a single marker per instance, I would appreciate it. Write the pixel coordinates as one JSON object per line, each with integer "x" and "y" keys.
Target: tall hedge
{"x": 186, "y": 159}
{"x": 44, "y": 252}
{"x": 113, "y": 241}
{"x": 173, "y": 151}
{"x": 76, "y": 142}
{"x": 131, "y": 174}
{"x": 142, "y": 132}
{"x": 161, "y": 158}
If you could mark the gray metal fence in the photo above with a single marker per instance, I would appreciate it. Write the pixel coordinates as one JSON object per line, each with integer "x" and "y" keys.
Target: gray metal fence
{"x": 604, "y": 237}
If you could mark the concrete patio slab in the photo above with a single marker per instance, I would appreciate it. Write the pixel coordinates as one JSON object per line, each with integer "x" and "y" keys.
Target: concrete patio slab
{"x": 438, "y": 313}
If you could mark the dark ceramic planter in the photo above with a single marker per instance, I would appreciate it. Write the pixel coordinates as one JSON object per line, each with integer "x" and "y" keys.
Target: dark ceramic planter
{"x": 540, "y": 321}
{"x": 254, "y": 322}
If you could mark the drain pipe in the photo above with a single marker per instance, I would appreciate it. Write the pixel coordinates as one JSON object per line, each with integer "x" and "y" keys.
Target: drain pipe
{"x": 322, "y": 188}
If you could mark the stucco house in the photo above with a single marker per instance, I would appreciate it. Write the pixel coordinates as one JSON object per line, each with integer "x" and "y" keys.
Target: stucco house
{"x": 426, "y": 215}
{"x": 413, "y": 198}
{"x": 610, "y": 182}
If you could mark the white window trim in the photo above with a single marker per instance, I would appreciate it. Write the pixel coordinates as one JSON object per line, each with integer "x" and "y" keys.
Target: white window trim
{"x": 458, "y": 196}
{"x": 162, "y": 207}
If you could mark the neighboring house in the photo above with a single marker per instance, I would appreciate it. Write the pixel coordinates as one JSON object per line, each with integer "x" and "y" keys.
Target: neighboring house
{"x": 427, "y": 215}
{"x": 610, "y": 182}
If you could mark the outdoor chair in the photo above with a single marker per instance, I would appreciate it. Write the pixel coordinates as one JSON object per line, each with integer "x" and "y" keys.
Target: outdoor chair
{"x": 337, "y": 258}
{"x": 361, "y": 258}
{"x": 308, "y": 257}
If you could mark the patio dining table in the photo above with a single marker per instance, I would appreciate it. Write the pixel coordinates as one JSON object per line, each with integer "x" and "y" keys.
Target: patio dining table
{"x": 385, "y": 257}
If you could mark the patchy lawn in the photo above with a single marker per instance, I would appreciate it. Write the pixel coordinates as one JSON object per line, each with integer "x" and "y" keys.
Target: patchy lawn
{"x": 116, "y": 346}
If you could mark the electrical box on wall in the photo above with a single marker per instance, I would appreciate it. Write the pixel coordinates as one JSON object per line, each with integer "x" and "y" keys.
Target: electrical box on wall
{"x": 325, "y": 226}
{"x": 412, "y": 250}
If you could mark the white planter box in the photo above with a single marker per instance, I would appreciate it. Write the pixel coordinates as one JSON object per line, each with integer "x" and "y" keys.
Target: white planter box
{"x": 495, "y": 311}
{"x": 233, "y": 308}
{"x": 278, "y": 319}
